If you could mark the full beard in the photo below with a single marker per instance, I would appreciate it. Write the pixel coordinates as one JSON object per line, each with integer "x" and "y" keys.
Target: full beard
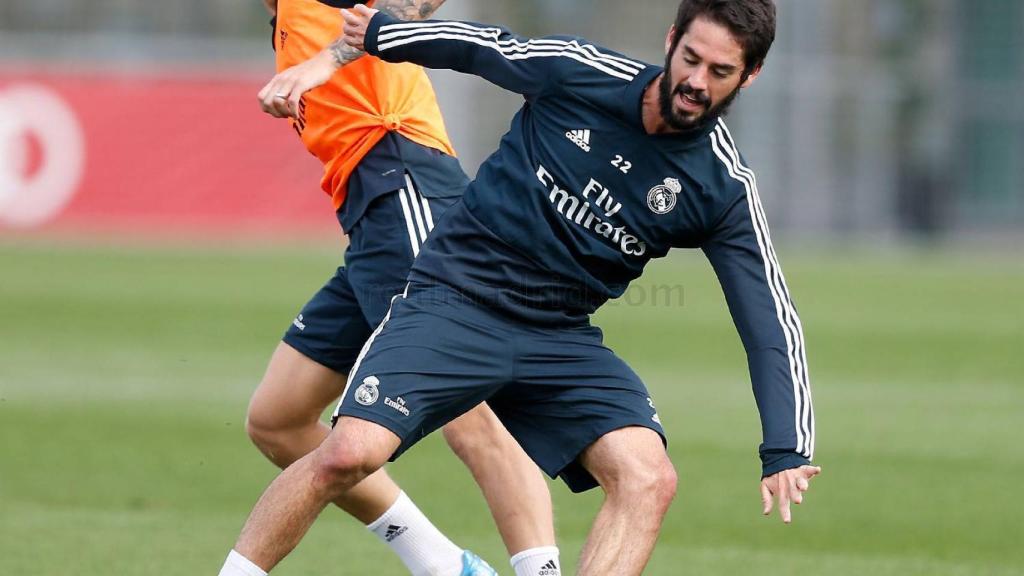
{"x": 666, "y": 93}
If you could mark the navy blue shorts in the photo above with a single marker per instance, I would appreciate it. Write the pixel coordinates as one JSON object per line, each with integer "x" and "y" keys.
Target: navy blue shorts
{"x": 438, "y": 354}
{"x": 333, "y": 326}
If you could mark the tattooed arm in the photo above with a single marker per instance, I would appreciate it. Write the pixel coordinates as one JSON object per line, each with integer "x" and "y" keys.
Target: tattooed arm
{"x": 408, "y": 10}
{"x": 280, "y": 97}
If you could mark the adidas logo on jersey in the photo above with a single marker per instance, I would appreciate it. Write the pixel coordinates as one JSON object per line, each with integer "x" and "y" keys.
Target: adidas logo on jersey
{"x": 549, "y": 569}
{"x": 580, "y": 138}
{"x": 394, "y": 531}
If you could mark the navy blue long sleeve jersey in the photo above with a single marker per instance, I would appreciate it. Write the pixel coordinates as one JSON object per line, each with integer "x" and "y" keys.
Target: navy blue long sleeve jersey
{"x": 578, "y": 198}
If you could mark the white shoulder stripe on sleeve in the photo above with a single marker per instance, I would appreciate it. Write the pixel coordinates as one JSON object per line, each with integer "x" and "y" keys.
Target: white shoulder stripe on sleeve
{"x": 785, "y": 311}
{"x": 402, "y": 29}
{"x": 808, "y": 416}
{"x": 395, "y": 35}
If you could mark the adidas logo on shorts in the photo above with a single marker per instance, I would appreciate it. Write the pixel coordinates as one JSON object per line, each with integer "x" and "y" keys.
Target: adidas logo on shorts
{"x": 549, "y": 569}
{"x": 580, "y": 138}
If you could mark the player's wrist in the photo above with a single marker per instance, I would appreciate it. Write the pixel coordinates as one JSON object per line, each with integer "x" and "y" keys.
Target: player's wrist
{"x": 373, "y": 30}
{"x": 776, "y": 461}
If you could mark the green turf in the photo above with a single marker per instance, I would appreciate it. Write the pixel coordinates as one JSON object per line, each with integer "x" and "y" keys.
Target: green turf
{"x": 124, "y": 375}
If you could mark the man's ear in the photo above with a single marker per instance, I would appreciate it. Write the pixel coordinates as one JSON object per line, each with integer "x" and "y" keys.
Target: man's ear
{"x": 751, "y": 77}
{"x": 668, "y": 39}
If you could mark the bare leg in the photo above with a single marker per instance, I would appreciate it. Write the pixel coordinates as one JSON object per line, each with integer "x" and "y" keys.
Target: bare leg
{"x": 639, "y": 483}
{"x": 516, "y": 492}
{"x": 282, "y": 516}
{"x": 284, "y": 422}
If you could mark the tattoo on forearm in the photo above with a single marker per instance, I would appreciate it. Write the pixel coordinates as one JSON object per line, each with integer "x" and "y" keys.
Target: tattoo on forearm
{"x": 409, "y": 9}
{"x": 401, "y": 9}
{"x": 343, "y": 53}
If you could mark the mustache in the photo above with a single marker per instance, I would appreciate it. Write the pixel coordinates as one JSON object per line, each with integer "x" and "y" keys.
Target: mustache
{"x": 700, "y": 96}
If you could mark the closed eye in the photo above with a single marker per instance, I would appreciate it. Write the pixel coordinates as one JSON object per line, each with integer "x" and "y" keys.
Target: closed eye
{"x": 723, "y": 71}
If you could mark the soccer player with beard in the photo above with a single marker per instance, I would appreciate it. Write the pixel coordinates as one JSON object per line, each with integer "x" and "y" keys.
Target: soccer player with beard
{"x": 610, "y": 163}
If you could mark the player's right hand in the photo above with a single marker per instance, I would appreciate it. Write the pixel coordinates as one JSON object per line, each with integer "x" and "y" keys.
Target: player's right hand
{"x": 280, "y": 97}
{"x": 357, "y": 20}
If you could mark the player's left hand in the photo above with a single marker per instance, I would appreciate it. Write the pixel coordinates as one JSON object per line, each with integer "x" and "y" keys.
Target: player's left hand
{"x": 357, "y": 21}
{"x": 788, "y": 486}
{"x": 271, "y": 6}
{"x": 280, "y": 97}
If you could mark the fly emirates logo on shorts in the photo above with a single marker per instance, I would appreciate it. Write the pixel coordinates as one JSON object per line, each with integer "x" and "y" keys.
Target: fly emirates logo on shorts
{"x": 592, "y": 212}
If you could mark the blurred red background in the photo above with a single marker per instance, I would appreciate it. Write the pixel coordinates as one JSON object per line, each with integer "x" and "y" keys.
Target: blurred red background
{"x": 151, "y": 154}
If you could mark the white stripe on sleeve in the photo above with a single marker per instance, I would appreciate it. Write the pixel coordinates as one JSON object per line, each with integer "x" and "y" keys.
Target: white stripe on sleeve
{"x": 510, "y": 49}
{"x": 807, "y": 416}
{"x": 406, "y": 29}
{"x": 785, "y": 312}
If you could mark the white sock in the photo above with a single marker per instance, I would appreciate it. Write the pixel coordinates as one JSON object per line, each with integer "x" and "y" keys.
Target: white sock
{"x": 238, "y": 565}
{"x": 537, "y": 562}
{"x": 423, "y": 549}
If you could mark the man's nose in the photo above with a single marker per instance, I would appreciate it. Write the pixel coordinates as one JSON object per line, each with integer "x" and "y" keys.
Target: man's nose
{"x": 699, "y": 79}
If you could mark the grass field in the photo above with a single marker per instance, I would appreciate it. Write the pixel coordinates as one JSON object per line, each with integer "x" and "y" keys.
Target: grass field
{"x": 124, "y": 376}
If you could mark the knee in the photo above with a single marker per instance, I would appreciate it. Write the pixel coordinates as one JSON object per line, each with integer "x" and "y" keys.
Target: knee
{"x": 654, "y": 484}
{"x": 352, "y": 451}
{"x": 337, "y": 468}
{"x": 281, "y": 440}
{"x": 667, "y": 482}
{"x": 264, "y": 431}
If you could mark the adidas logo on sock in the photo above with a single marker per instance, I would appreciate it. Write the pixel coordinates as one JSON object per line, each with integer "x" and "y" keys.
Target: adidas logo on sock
{"x": 580, "y": 138}
{"x": 394, "y": 531}
{"x": 549, "y": 569}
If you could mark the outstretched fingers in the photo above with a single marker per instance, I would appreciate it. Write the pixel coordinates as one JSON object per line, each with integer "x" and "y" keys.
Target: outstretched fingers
{"x": 784, "y": 500}
{"x": 792, "y": 483}
{"x": 766, "y": 499}
{"x": 788, "y": 486}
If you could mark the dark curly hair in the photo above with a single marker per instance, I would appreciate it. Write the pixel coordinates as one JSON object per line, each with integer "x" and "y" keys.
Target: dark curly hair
{"x": 751, "y": 22}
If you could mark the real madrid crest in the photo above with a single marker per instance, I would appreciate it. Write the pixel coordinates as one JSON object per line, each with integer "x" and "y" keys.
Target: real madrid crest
{"x": 662, "y": 198}
{"x": 367, "y": 393}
